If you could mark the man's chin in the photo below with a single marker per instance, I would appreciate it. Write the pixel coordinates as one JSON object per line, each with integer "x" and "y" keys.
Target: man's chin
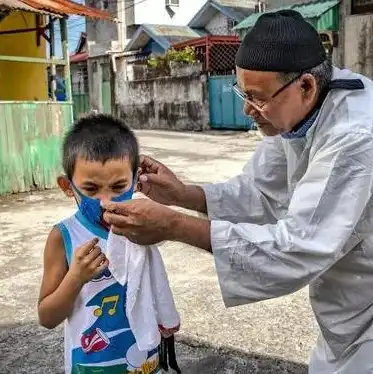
{"x": 267, "y": 129}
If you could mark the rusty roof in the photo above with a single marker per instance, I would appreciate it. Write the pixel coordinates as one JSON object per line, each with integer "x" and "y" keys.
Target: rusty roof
{"x": 17, "y": 5}
{"x": 58, "y": 7}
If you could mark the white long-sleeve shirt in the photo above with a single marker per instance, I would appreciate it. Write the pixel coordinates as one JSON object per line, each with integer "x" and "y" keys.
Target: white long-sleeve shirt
{"x": 301, "y": 213}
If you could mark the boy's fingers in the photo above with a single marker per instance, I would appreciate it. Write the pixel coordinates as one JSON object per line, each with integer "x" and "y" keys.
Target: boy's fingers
{"x": 102, "y": 267}
{"x": 100, "y": 260}
{"x": 95, "y": 253}
{"x": 87, "y": 247}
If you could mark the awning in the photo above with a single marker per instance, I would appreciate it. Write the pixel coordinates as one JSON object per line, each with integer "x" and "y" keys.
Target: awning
{"x": 58, "y": 7}
{"x": 323, "y": 15}
{"x": 16, "y": 5}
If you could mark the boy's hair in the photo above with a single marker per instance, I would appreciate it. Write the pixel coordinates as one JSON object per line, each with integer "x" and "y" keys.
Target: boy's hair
{"x": 99, "y": 137}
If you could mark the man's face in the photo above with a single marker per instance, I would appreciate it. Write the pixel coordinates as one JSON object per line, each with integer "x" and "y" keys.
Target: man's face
{"x": 275, "y": 105}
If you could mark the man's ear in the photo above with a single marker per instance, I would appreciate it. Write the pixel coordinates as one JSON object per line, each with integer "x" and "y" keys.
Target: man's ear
{"x": 65, "y": 185}
{"x": 309, "y": 86}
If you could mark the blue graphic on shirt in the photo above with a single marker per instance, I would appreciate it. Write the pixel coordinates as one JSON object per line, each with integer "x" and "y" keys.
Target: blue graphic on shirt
{"x": 109, "y": 338}
{"x": 105, "y": 275}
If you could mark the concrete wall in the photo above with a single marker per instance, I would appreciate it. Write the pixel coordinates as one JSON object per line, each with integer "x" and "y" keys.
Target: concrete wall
{"x": 102, "y": 35}
{"x": 95, "y": 67}
{"x": 176, "y": 102}
{"x": 359, "y": 44}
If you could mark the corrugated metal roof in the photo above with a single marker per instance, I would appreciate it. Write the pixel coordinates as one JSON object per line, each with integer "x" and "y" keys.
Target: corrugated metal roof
{"x": 18, "y": 5}
{"x": 309, "y": 10}
{"x": 79, "y": 57}
{"x": 237, "y": 10}
{"x": 164, "y": 35}
{"x": 67, "y": 7}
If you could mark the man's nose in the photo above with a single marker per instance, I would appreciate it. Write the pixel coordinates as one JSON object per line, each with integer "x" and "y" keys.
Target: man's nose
{"x": 249, "y": 110}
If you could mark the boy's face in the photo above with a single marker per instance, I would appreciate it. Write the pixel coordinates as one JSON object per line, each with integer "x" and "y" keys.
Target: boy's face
{"x": 98, "y": 180}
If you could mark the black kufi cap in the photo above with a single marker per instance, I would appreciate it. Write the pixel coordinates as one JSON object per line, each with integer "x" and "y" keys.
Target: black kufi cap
{"x": 281, "y": 42}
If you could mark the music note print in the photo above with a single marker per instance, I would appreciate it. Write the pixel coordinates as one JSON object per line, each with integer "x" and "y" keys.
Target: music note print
{"x": 107, "y": 300}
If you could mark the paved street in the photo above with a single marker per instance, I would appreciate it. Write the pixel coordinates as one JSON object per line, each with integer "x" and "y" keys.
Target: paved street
{"x": 268, "y": 337}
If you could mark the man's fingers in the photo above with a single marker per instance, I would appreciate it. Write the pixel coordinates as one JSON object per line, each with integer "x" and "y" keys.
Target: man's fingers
{"x": 148, "y": 164}
{"x": 154, "y": 179}
{"x": 87, "y": 247}
{"x": 116, "y": 219}
{"x": 115, "y": 207}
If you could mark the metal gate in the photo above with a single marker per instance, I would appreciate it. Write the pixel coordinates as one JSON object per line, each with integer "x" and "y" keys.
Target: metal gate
{"x": 80, "y": 104}
{"x": 226, "y": 109}
{"x": 106, "y": 89}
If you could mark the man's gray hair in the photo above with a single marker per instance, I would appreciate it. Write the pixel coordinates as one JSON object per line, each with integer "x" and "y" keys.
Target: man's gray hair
{"x": 322, "y": 73}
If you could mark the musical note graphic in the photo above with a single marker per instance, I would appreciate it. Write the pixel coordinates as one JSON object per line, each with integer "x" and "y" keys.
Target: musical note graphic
{"x": 106, "y": 300}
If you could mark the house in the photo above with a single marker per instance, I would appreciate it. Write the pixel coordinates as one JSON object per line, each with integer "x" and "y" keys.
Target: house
{"x": 345, "y": 26}
{"x": 322, "y": 14}
{"x": 31, "y": 123}
{"x": 218, "y": 17}
{"x": 215, "y": 17}
{"x": 157, "y": 39}
{"x": 145, "y": 29}
{"x": 78, "y": 66}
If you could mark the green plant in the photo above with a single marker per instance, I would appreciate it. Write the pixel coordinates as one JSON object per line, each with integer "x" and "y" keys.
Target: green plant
{"x": 186, "y": 55}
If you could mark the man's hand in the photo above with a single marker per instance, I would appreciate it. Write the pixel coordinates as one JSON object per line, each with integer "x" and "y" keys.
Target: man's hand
{"x": 88, "y": 262}
{"x": 146, "y": 222}
{"x": 142, "y": 221}
{"x": 159, "y": 183}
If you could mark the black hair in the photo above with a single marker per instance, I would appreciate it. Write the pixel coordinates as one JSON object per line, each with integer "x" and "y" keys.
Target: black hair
{"x": 99, "y": 137}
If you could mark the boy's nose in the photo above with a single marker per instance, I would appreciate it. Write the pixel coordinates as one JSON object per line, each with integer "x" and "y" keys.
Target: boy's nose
{"x": 106, "y": 198}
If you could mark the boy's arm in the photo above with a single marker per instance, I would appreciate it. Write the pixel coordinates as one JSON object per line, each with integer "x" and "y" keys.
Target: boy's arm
{"x": 59, "y": 288}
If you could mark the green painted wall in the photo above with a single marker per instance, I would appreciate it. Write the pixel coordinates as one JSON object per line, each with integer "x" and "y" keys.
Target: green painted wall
{"x": 30, "y": 144}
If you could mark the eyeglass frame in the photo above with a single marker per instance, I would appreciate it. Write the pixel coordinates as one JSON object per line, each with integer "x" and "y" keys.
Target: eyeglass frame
{"x": 260, "y": 107}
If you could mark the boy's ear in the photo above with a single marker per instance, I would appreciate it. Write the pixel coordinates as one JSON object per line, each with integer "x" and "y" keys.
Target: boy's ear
{"x": 65, "y": 185}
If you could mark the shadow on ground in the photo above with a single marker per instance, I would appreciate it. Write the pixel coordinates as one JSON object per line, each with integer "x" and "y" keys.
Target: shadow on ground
{"x": 28, "y": 348}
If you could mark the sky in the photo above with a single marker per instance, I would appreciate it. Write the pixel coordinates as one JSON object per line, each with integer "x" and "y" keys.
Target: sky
{"x": 75, "y": 26}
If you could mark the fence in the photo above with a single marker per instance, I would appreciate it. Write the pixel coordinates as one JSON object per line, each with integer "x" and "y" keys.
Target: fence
{"x": 30, "y": 144}
{"x": 80, "y": 89}
{"x": 216, "y": 53}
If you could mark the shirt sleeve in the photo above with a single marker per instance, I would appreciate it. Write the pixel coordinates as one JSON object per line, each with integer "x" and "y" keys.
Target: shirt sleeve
{"x": 259, "y": 194}
{"x": 257, "y": 262}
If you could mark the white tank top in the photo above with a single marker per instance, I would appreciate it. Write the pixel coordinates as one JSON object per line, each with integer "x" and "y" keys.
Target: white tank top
{"x": 98, "y": 338}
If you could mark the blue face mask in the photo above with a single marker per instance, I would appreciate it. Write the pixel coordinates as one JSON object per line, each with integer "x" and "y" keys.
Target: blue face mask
{"x": 91, "y": 208}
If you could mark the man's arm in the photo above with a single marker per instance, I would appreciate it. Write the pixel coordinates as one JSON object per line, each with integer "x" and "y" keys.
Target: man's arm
{"x": 259, "y": 194}
{"x": 257, "y": 262}
{"x": 190, "y": 230}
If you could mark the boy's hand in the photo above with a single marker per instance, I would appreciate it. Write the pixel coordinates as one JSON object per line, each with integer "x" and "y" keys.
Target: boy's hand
{"x": 88, "y": 262}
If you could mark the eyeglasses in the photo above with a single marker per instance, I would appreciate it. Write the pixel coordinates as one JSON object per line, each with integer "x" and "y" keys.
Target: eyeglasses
{"x": 258, "y": 104}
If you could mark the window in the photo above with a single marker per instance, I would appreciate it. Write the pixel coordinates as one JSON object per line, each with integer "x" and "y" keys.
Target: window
{"x": 361, "y": 6}
{"x": 231, "y": 23}
{"x": 172, "y": 3}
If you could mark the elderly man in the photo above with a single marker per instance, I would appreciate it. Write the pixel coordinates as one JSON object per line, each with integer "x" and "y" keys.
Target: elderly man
{"x": 301, "y": 212}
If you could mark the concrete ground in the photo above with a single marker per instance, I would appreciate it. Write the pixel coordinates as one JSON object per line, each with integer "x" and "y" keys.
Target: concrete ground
{"x": 269, "y": 337}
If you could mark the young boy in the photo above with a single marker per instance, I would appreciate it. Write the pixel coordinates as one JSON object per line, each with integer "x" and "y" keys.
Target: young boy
{"x": 101, "y": 161}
